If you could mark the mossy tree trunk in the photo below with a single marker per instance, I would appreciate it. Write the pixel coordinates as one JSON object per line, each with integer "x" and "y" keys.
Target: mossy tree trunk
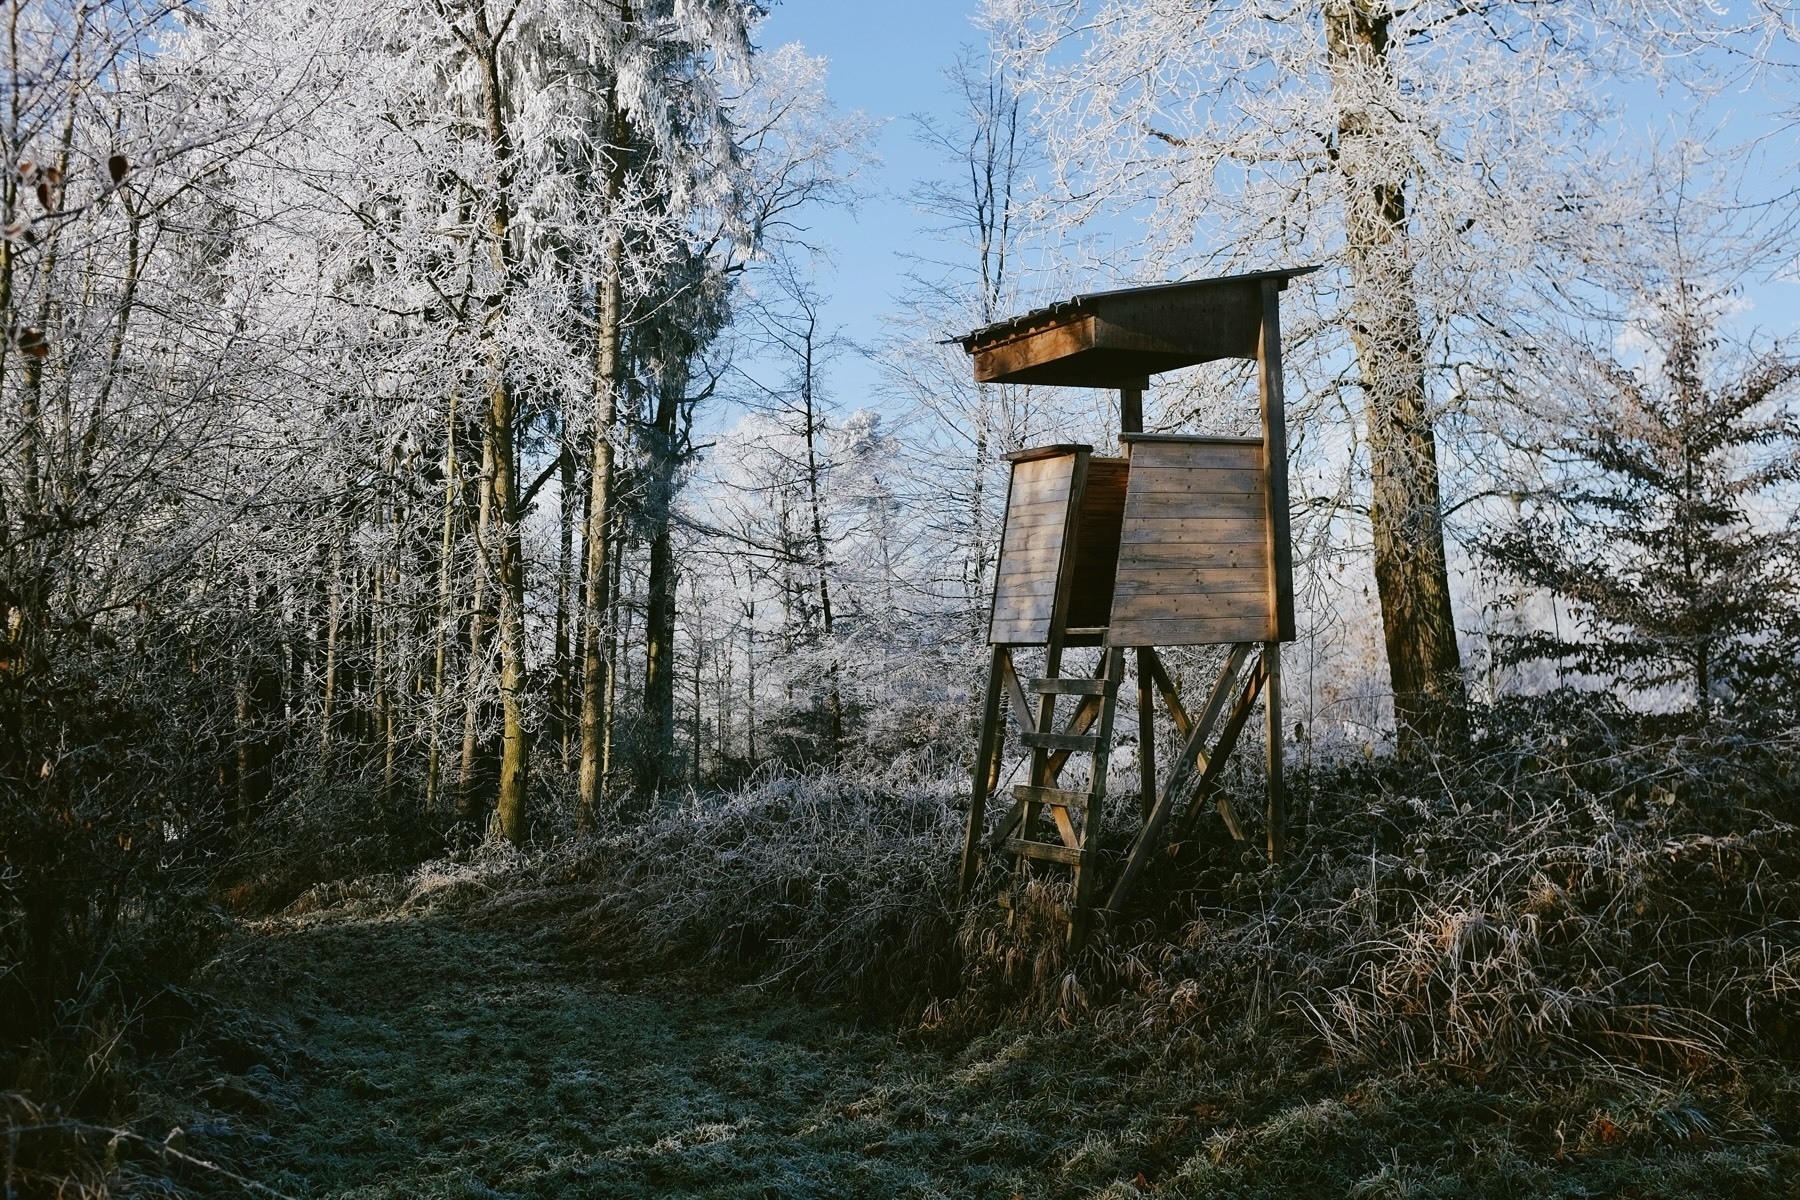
{"x": 504, "y": 552}
{"x": 1406, "y": 512}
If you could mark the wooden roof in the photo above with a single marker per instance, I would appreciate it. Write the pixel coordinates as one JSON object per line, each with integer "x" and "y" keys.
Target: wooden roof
{"x": 1119, "y": 339}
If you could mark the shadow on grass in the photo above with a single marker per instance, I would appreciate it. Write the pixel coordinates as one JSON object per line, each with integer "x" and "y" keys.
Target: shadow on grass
{"x": 417, "y": 1055}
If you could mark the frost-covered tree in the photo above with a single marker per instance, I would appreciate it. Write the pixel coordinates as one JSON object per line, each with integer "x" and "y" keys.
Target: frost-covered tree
{"x": 502, "y": 191}
{"x": 1665, "y": 524}
{"x": 1433, "y": 152}
{"x": 141, "y": 460}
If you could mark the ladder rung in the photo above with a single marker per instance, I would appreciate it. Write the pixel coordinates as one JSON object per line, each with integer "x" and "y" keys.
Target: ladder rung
{"x": 1048, "y": 851}
{"x": 1086, "y": 630}
{"x": 1070, "y": 687}
{"x": 1024, "y": 793}
{"x": 1062, "y": 741}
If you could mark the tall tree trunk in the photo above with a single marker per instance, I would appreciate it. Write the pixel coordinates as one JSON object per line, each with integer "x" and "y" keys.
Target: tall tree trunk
{"x": 609, "y": 372}
{"x": 658, "y": 742}
{"x": 750, "y": 683}
{"x": 659, "y": 620}
{"x": 699, "y": 659}
{"x": 510, "y": 577}
{"x": 445, "y": 616}
{"x": 468, "y": 804}
{"x": 385, "y": 721}
{"x": 568, "y": 506}
{"x": 614, "y": 577}
{"x": 834, "y": 732}
{"x": 334, "y": 619}
{"x": 975, "y": 569}
{"x": 1406, "y": 513}
{"x": 505, "y": 552}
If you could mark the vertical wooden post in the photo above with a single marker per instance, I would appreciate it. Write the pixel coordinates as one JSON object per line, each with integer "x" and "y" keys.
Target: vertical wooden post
{"x": 988, "y": 750}
{"x": 1112, "y": 669}
{"x": 1146, "y": 731}
{"x": 1281, "y": 551}
{"x": 1131, "y": 410}
{"x": 1131, "y": 420}
{"x": 1275, "y": 461}
{"x": 1277, "y": 811}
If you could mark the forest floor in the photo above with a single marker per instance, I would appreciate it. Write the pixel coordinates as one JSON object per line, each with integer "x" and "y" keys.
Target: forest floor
{"x": 369, "y": 1051}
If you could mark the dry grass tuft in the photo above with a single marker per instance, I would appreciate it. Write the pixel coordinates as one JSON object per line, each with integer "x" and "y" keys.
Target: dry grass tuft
{"x": 826, "y": 886}
{"x": 45, "y": 1153}
{"x": 1586, "y": 894}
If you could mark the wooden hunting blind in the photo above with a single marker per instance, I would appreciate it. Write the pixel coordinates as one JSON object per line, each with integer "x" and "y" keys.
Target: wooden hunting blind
{"x": 1183, "y": 541}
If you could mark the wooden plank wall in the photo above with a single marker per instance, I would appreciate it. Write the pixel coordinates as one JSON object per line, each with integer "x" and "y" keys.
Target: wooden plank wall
{"x": 1194, "y": 549}
{"x": 1037, "y": 511}
{"x": 1097, "y": 544}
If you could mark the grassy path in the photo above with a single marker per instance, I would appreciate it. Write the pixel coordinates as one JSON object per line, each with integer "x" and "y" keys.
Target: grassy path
{"x": 430, "y": 1059}
{"x": 420, "y": 1056}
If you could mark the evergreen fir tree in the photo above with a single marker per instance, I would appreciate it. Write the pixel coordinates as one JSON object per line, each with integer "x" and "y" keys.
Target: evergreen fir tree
{"x": 1669, "y": 534}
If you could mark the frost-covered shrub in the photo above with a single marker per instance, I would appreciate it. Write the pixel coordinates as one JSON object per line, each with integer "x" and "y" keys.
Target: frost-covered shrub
{"x": 1577, "y": 887}
{"x": 834, "y": 886}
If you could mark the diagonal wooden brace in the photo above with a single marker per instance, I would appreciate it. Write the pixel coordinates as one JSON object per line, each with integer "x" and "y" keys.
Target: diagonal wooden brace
{"x": 1234, "y": 725}
{"x": 1170, "y": 697}
{"x": 1015, "y": 692}
{"x": 987, "y": 757}
{"x": 1193, "y": 753}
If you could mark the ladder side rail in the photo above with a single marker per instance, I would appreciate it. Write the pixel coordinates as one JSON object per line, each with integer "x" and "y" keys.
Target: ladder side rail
{"x": 987, "y": 752}
{"x": 1059, "y": 620}
{"x": 1090, "y": 822}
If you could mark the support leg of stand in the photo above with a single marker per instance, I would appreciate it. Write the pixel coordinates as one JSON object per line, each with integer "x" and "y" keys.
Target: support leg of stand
{"x": 1146, "y": 733}
{"x": 982, "y": 775}
{"x": 1277, "y": 814}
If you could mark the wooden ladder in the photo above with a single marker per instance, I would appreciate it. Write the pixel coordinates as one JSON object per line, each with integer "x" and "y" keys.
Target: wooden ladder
{"x": 1074, "y": 815}
{"x": 1248, "y": 671}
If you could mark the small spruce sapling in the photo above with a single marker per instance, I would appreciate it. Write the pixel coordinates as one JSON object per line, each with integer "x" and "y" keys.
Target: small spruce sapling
{"x": 1668, "y": 531}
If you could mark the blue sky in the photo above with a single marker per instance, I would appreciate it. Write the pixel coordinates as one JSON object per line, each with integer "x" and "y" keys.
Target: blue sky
{"x": 888, "y": 61}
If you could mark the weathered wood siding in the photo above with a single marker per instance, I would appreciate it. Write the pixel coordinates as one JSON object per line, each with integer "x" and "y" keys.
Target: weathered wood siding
{"x": 1037, "y": 516}
{"x": 1194, "y": 563}
{"x": 1097, "y": 544}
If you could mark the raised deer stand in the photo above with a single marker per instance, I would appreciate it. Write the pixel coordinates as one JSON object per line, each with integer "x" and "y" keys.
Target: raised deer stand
{"x": 1182, "y": 542}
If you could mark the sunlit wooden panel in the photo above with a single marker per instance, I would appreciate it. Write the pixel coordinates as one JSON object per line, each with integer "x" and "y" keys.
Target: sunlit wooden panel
{"x": 1194, "y": 547}
{"x": 1031, "y": 547}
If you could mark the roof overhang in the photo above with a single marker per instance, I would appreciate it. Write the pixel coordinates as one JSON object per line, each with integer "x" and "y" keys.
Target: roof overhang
{"x": 1119, "y": 339}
